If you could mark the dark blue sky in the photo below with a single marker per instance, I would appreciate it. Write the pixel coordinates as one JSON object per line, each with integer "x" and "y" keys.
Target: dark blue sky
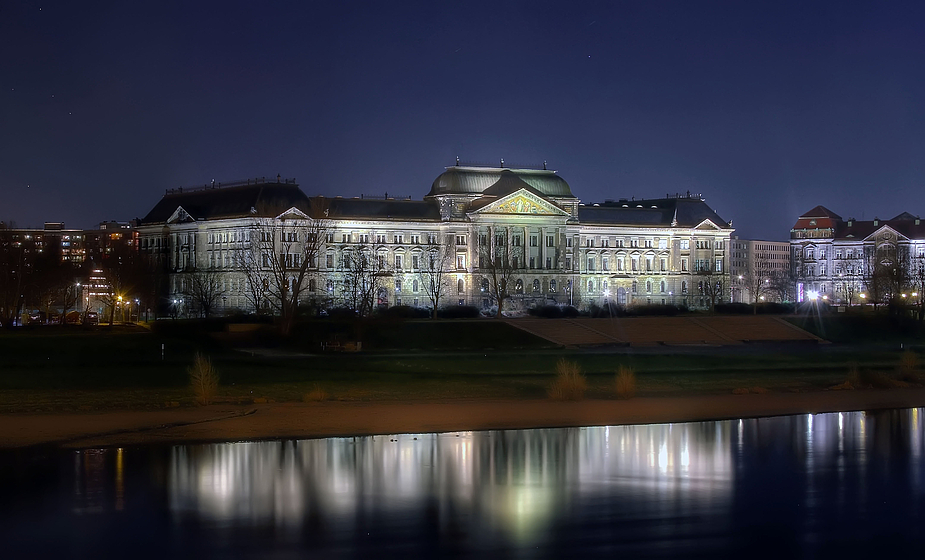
{"x": 768, "y": 109}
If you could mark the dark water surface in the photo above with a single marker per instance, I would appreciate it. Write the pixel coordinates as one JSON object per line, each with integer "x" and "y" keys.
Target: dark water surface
{"x": 843, "y": 485}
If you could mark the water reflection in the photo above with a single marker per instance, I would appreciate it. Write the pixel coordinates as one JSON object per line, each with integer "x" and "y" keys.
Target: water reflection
{"x": 700, "y": 487}
{"x": 515, "y": 480}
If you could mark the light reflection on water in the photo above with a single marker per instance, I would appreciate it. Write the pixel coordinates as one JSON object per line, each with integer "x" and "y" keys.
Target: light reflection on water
{"x": 517, "y": 480}
{"x": 798, "y": 483}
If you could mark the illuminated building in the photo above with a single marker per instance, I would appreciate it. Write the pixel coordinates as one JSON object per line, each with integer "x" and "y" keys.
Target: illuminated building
{"x": 755, "y": 263}
{"x": 626, "y": 251}
{"x": 853, "y": 261}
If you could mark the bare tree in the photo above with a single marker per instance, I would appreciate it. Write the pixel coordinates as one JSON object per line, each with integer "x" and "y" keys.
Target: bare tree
{"x": 247, "y": 260}
{"x": 712, "y": 286}
{"x": 123, "y": 273}
{"x": 758, "y": 279}
{"x": 438, "y": 257}
{"x": 204, "y": 288}
{"x": 499, "y": 262}
{"x": 14, "y": 275}
{"x": 289, "y": 250}
{"x": 885, "y": 272}
{"x": 363, "y": 269}
{"x": 849, "y": 278}
{"x": 917, "y": 282}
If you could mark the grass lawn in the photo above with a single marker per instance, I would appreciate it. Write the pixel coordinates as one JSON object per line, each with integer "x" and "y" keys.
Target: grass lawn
{"x": 72, "y": 369}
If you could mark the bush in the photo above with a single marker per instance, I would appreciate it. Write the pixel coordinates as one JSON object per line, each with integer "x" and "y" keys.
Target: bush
{"x": 458, "y": 312}
{"x": 733, "y": 308}
{"x": 569, "y": 384}
{"x": 554, "y": 311}
{"x": 203, "y": 379}
{"x": 864, "y": 379}
{"x": 404, "y": 312}
{"x": 908, "y": 364}
{"x": 654, "y": 310}
{"x": 768, "y": 308}
{"x": 546, "y": 311}
{"x": 342, "y": 313}
{"x": 317, "y": 394}
{"x": 626, "y": 383}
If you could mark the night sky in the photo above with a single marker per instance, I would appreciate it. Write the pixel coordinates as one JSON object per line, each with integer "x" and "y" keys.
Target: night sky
{"x": 768, "y": 109}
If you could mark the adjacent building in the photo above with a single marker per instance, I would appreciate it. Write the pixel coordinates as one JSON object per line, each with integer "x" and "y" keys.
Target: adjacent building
{"x": 851, "y": 261}
{"x": 759, "y": 270}
{"x": 553, "y": 248}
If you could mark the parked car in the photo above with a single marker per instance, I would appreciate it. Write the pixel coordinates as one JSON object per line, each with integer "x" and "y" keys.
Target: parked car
{"x": 93, "y": 318}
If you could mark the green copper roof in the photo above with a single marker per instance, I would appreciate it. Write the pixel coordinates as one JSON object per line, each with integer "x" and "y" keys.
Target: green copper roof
{"x": 474, "y": 180}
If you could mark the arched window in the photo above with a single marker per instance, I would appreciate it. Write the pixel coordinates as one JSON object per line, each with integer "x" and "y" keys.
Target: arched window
{"x": 684, "y": 286}
{"x": 552, "y": 285}
{"x": 590, "y": 286}
{"x": 536, "y": 285}
{"x": 648, "y": 286}
{"x": 414, "y": 286}
{"x": 311, "y": 285}
{"x": 661, "y": 286}
{"x": 635, "y": 286}
{"x": 519, "y": 286}
{"x": 485, "y": 287}
{"x": 330, "y": 286}
{"x": 460, "y": 286}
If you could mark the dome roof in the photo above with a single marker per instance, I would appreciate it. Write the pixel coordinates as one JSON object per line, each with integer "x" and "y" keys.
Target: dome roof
{"x": 474, "y": 180}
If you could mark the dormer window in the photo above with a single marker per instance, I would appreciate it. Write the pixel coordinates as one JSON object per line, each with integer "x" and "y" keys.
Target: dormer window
{"x": 812, "y": 222}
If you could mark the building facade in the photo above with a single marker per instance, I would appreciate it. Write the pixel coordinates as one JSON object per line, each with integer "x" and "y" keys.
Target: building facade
{"x": 759, "y": 268}
{"x": 854, "y": 261}
{"x": 53, "y": 268}
{"x": 481, "y": 222}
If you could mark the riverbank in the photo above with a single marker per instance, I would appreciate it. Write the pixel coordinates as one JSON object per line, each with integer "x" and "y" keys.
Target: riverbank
{"x": 324, "y": 419}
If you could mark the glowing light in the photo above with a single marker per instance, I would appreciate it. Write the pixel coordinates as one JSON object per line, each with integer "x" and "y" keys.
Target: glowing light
{"x": 812, "y": 295}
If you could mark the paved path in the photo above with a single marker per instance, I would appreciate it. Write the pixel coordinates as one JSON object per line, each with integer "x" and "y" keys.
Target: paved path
{"x": 665, "y": 331}
{"x": 306, "y": 420}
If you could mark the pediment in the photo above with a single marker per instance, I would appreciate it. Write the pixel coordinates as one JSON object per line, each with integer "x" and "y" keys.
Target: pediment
{"x": 180, "y": 216}
{"x": 522, "y": 202}
{"x": 293, "y": 213}
{"x": 886, "y": 234}
{"x": 707, "y": 225}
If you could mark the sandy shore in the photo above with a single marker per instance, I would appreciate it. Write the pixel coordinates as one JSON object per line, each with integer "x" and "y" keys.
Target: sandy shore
{"x": 307, "y": 420}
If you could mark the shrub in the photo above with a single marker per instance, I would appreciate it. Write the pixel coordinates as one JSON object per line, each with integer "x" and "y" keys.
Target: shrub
{"x": 404, "y": 312}
{"x": 854, "y": 376}
{"x": 547, "y": 311}
{"x": 862, "y": 379}
{"x": 203, "y": 379}
{"x": 458, "y": 312}
{"x": 317, "y": 394}
{"x": 570, "y": 312}
{"x": 569, "y": 384}
{"x": 908, "y": 364}
{"x": 655, "y": 309}
{"x": 626, "y": 382}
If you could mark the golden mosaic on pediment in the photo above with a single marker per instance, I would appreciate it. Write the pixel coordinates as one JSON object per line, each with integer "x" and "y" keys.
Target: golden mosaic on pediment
{"x": 521, "y": 205}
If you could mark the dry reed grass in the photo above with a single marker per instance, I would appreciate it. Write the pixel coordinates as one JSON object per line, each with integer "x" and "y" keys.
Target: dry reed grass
{"x": 203, "y": 379}
{"x": 908, "y": 366}
{"x": 626, "y": 382}
{"x": 867, "y": 379}
{"x": 317, "y": 394}
{"x": 569, "y": 384}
